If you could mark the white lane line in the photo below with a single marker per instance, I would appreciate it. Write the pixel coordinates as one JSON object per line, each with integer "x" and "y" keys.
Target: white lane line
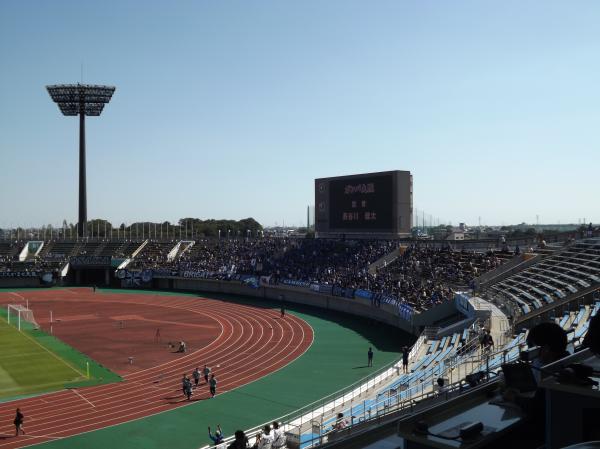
{"x": 224, "y": 343}
{"x": 18, "y": 296}
{"x": 82, "y": 397}
{"x": 30, "y": 435}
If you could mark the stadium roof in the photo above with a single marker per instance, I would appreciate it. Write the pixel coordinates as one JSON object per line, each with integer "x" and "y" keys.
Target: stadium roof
{"x": 74, "y": 98}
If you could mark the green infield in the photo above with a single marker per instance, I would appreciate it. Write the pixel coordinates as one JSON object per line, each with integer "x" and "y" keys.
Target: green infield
{"x": 32, "y": 361}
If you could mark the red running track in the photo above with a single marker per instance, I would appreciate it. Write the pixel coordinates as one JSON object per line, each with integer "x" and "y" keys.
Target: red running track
{"x": 243, "y": 333}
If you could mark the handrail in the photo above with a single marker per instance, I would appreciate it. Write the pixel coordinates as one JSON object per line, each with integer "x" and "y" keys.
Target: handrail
{"x": 386, "y": 405}
{"x": 139, "y": 249}
{"x": 417, "y": 346}
{"x": 420, "y": 385}
{"x": 393, "y": 408}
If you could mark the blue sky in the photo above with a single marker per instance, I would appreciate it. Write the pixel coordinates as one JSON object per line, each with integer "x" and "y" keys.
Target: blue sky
{"x": 231, "y": 109}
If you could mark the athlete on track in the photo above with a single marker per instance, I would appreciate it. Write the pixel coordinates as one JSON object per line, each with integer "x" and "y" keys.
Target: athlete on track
{"x": 19, "y": 417}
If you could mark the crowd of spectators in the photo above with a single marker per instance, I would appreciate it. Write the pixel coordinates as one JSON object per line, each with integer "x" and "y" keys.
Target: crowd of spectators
{"x": 421, "y": 276}
{"x": 154, "y": 255}
{"x": 336, "y": 262}
{"x": 235, "y": 256}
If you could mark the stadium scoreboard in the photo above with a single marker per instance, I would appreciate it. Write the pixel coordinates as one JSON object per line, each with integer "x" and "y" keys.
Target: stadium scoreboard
{"x": 366, "y": 205}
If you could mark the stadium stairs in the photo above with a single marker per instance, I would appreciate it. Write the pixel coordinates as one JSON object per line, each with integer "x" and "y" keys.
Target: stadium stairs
{"x": 384, "y": 260}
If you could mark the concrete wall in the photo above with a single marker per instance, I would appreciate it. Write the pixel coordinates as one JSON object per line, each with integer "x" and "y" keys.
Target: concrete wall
{"x": 434, "y": 315}
{"x": 19, "y": 282}
{"x": 354, "y": 306}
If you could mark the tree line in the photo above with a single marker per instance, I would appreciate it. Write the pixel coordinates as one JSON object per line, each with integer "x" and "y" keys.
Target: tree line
{"x": 184, "y": 228}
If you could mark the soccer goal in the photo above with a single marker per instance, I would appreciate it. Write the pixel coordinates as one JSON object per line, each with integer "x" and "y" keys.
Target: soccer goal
{"x": 21, "y": 313}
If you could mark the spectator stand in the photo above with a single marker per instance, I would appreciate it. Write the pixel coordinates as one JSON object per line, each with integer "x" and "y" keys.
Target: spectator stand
{"x": 392, "y": 395}
{"x": 555, "y": 279}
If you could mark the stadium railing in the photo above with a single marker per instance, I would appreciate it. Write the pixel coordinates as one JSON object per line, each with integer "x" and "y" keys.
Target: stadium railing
{"x": 306, "y": 414}
{"x": 320, "y": 415}
{"x": 406, "y": 401}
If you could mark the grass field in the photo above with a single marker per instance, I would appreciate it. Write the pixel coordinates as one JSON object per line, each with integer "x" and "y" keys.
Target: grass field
{"x": 32, "y": 361}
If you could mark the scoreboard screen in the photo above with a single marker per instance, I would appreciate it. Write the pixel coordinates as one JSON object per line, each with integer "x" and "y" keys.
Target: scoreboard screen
{"x": 377, "y": 205}
{"x": 361, "y": 203}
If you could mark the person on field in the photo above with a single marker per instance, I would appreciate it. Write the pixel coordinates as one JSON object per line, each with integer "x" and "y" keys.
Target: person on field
{"x": 370, "y": 357}
{"x": 217, "y": 438}
{"x": 196, "y": 376}
{"x": 183, "y": 383}
{"x": 282, "y": 310}
{"x": 213, "y": 385}
{"x": 206, "y": 372}
{"x": 405, "y": 353}
{"x": 188, "y": 388}
{"x": 19, "y": 417}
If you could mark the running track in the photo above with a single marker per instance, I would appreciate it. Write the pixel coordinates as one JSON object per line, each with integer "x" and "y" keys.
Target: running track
{"x": 246, "y": 334}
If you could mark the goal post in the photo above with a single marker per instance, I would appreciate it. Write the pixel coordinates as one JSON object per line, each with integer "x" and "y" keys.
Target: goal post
{"x": 22, "y": 314}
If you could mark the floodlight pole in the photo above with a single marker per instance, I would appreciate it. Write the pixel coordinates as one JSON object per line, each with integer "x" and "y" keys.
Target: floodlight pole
{"x": 82, "y": 184}
{"x": 82, "y": 100}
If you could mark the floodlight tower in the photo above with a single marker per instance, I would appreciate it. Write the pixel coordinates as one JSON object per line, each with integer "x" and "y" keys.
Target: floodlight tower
{"x": 82, "y": 100}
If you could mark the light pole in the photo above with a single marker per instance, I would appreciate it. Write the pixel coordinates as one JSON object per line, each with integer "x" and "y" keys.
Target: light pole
{"x": 82, "y": 100}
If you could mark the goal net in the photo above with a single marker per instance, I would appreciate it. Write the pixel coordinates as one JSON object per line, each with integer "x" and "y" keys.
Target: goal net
{"x": 19, "y": 314}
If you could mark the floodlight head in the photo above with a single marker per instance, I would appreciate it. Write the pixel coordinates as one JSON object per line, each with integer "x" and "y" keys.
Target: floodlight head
{"x": 80, "y": 99}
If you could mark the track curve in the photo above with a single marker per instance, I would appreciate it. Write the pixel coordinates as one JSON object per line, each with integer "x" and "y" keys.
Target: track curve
{"x": 246, "y": 332}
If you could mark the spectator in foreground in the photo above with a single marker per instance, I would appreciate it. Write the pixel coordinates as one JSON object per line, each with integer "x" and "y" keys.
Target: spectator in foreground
{"x": 441, "y": 386}
{"x": 264, "y": 440}
{"x": 592, "y": 338}
{"x": 279, "y": 440}
{"x": 340, "y": 422}
{"x": 552, "y": 341}
{"x": 240, "y": 442}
